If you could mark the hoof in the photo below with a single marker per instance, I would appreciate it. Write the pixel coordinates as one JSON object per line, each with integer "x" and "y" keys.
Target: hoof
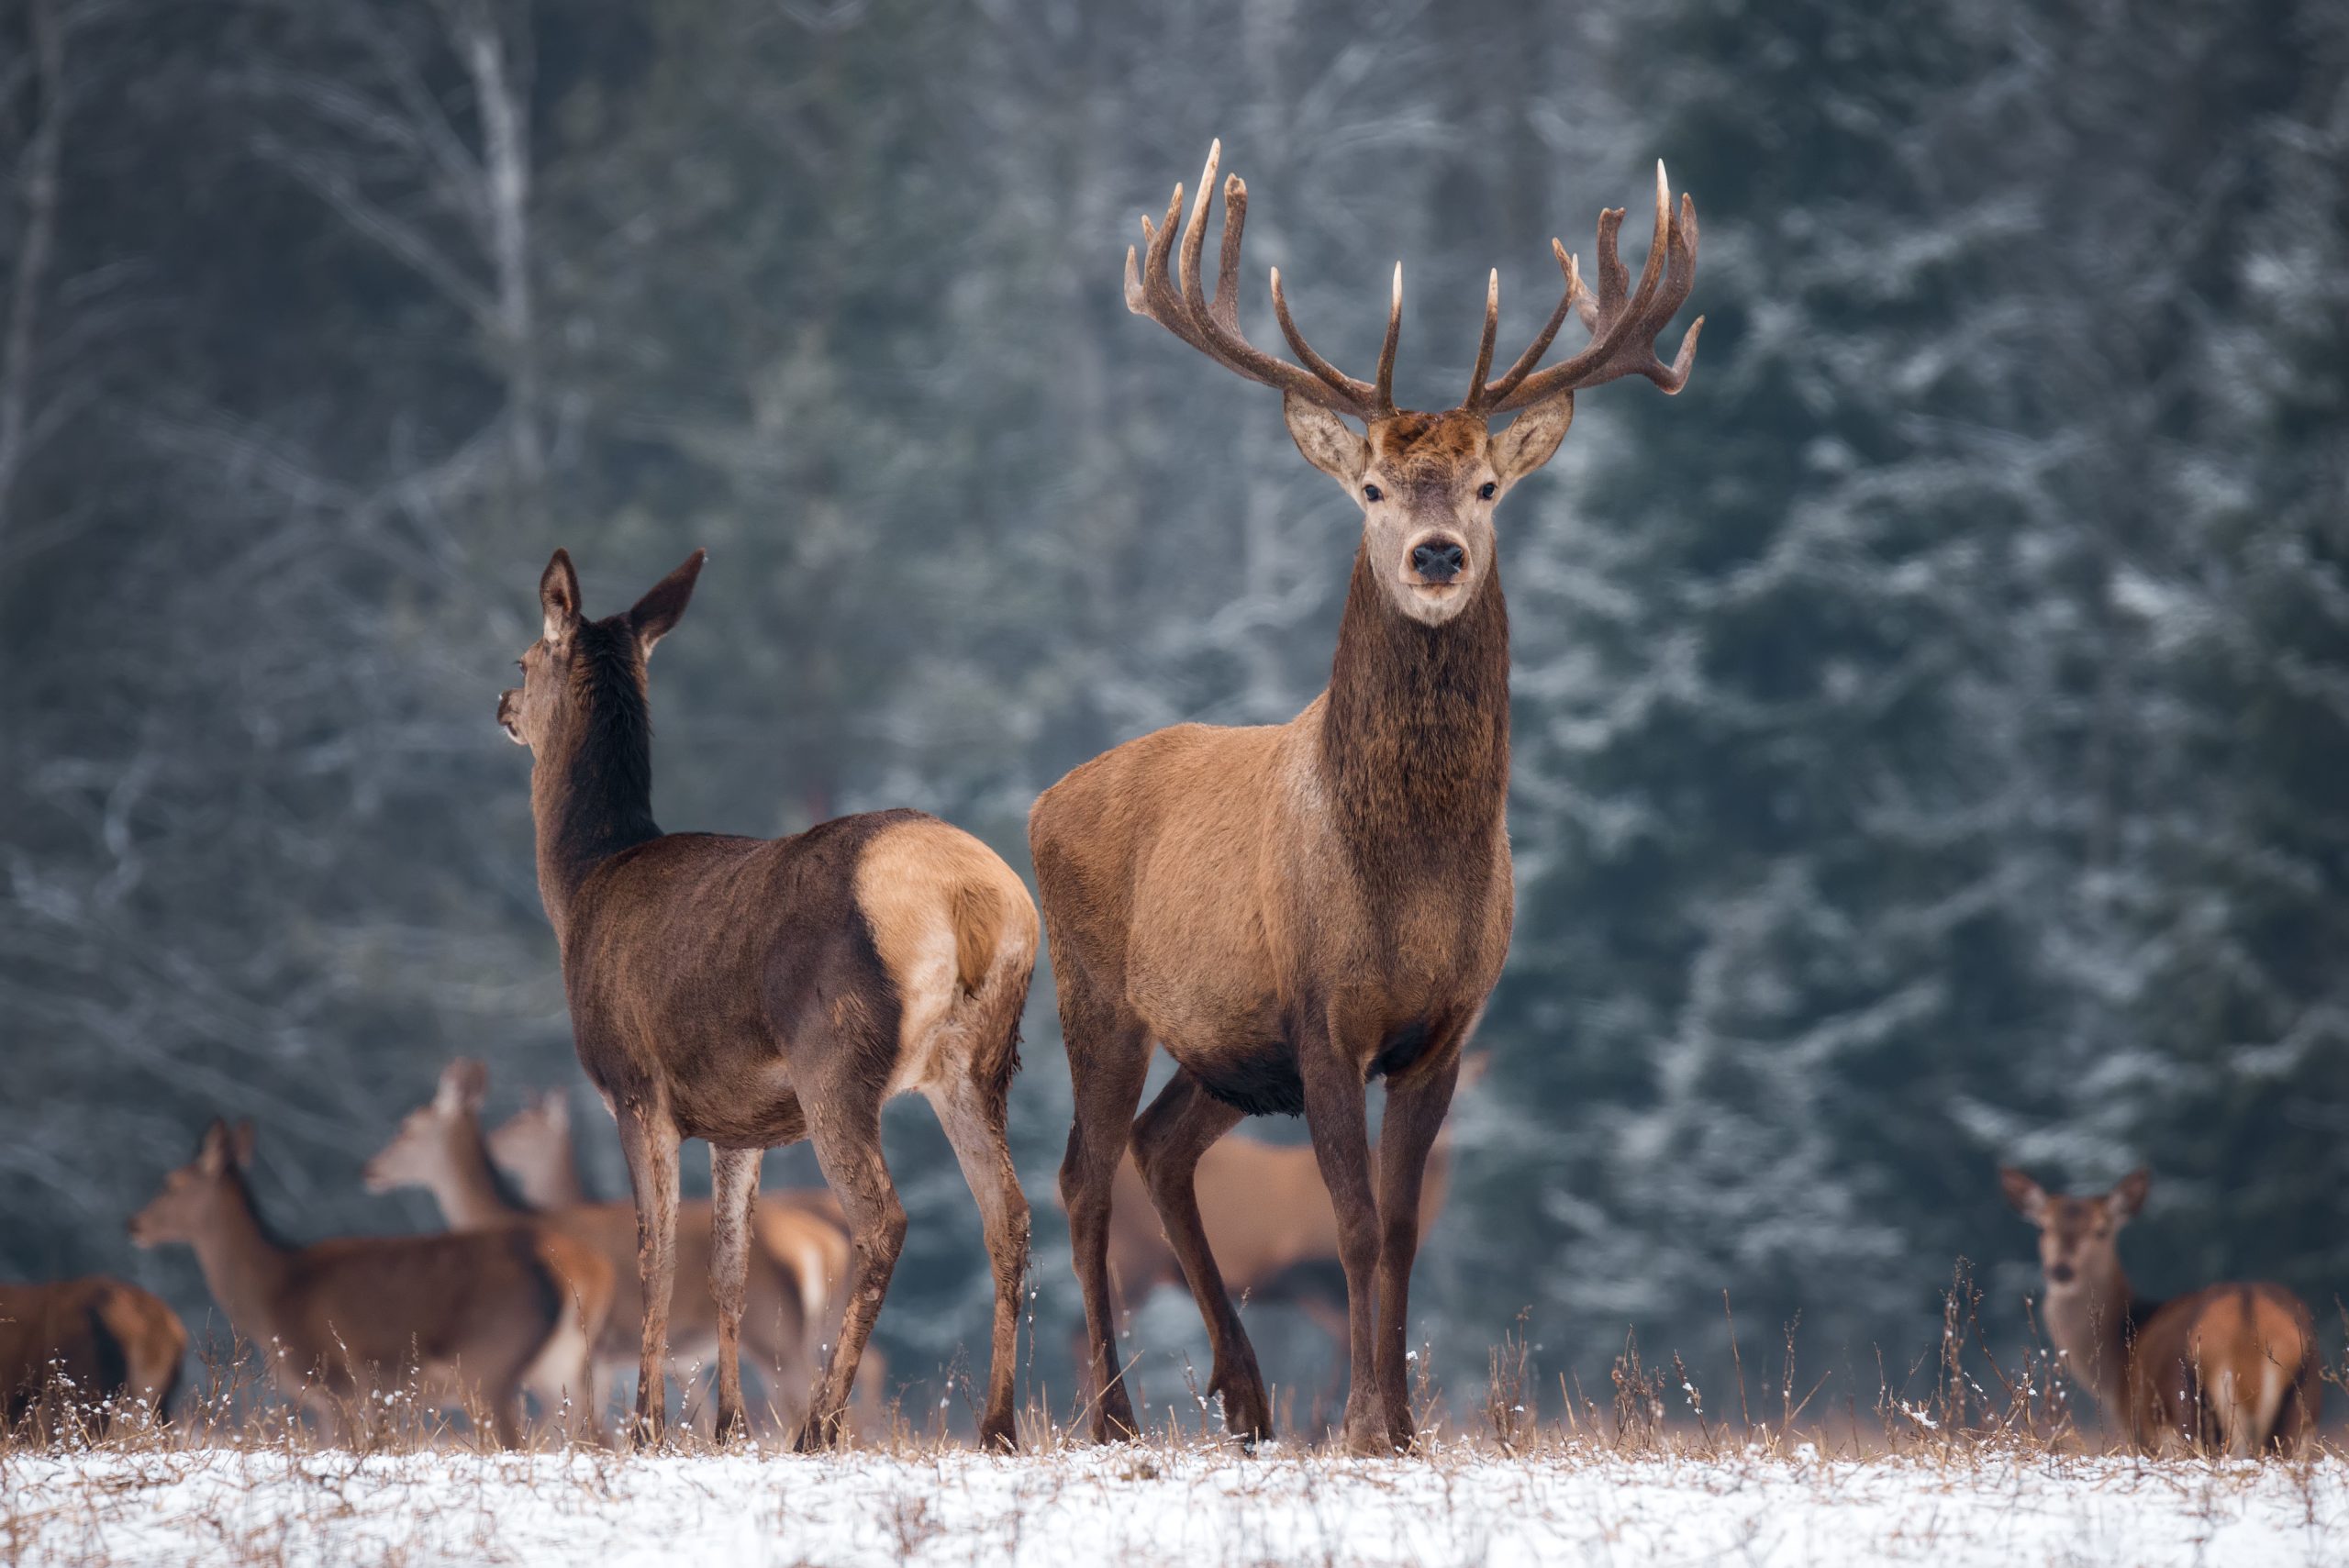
{"x": 998, "y": 1437}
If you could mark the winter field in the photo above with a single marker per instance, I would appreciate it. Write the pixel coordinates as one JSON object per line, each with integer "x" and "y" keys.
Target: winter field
{"x": 1191, "y": 1504}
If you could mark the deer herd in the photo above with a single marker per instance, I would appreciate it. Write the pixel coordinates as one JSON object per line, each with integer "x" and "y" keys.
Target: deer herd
{"x": 1286, "y": 911}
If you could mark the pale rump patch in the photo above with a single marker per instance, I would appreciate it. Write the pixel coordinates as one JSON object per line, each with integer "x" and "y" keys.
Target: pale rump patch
{"x": 950, "y": 922}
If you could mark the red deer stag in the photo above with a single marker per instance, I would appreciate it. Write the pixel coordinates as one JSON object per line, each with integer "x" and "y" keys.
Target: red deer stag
{"x": 491, "y": 1313}
{"x": 1268, "y": 1221}
{"x": 2232, "y": 1367}
{"x": 754, "y": 991}
{"x": 94, "y": 1343}
{"x": 788, "y": 1277}
{"x": 1292, "y": 910}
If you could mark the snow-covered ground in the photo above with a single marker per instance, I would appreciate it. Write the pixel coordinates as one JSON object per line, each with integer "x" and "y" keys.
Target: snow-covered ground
{"x": 1141, "y": 1506}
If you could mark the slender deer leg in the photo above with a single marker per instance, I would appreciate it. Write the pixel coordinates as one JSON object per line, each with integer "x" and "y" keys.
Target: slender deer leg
{"x": 976, "y": 1127}
{"x": 733, "y": 1190}
{"x": 1108, "y": 1058}
{"x": 1180, "y": 1126}
{"x": 848, "y": 1146}
{"x": 1415, "y": 1111}
{"x": 649, "y": 1139}
{"x": 1334, "y": 1114}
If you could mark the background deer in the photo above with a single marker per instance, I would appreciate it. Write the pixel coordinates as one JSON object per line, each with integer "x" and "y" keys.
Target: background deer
{"x": 754, "y": 991}
{"x": 1292, "y": 910}
{"x": 2232, "y": 1367}
{"x": 487, "y": 1314}
{"x": 534, "y": 1148}
{"x": 95, "y": 1343}
{"x": 1268, "y": 1219}
{"x": 795, "y": 1259}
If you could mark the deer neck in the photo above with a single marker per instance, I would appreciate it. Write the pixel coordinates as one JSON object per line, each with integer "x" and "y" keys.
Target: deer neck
{"x": 244, "y": 1266}
{"x": 1415, "y": 733}
{"x": 2091, "y": 1327}
{"x": 465, "y": 1183}
{"x": 591, "y": 791}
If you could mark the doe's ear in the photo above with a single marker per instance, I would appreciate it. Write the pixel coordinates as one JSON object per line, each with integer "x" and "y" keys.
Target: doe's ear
{"x": 559, "y": 597}
{"x": 464, "y": 1084}
{"x": 2128, "y": 1196}
{"x": 652, "y": 617}
{"x": 1533, "y": 437}
{"x": 2028, "y": 1199}
{"x": 1328, "y": 442}
{"x": 213, "y": 1150}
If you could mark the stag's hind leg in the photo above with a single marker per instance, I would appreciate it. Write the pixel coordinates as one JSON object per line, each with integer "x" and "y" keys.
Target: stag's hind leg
{"x": 975, "y": 1123}
{"x": 1108, "y": 1058}
{"x": 1179, "y": 1126}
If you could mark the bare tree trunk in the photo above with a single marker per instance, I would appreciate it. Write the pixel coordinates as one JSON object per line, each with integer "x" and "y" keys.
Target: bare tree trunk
{"x": 40, "y": 181}
{"x": 501, "y": 93}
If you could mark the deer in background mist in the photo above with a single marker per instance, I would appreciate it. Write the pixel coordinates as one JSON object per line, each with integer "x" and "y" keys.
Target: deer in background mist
{"x": 754, "y": 991}
{"x": 487, "y": 1314}
{"x": 92, "y": 1343}
{"x": 2230, "y": 1367}
{"x": 1290, "y": 910}
{"x": 795, "y": 1263}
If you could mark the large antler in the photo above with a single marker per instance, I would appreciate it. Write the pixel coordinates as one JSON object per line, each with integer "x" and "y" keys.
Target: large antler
{"x": 1622, "y": 329}
{"x": 1181, "y": 305}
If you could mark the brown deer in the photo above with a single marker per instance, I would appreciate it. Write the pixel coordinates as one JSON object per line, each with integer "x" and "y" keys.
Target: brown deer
{"x": 533, "y": 1147}
{"x": 492, "y": 1313}
{"x": 1268, "y": 1221}
{"x": 754, "y": 991}
{"x": 95, "y": 1344}
{"x": 1291, "y": 909}
{"x": 2232, "y": 1367}
{"x": 788, "y": 1278}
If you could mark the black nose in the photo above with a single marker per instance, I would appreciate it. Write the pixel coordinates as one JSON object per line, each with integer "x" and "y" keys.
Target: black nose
{"x": 2061, "y": 1273}
{"x": 1438, "y": 560}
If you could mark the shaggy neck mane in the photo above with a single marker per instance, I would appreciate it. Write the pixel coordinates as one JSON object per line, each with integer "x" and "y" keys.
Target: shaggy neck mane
{"x": 1415, "y": 739}
{"x": 592, "y": 793}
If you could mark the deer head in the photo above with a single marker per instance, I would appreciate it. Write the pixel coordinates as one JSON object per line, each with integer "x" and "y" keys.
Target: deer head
{"x": 428, "y": 1134}
{"x": 558, "y": 669}
{"x": 2078, "y": 1237}
{"x": 191, "y": 1196}
{"x": 1428, "y": 484}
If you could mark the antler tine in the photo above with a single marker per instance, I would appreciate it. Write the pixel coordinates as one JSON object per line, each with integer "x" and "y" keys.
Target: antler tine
{"x": 1179, "y": 303}
{"x": 1624, "y": 329}
{"x": 1484, "y": 343}
{"x": 1574, "y": 296}
{"x": 1385, "y": 383}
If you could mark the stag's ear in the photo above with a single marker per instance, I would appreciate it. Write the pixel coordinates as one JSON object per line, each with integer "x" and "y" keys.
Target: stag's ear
{"x": 1533, "y": 437}
{"x": 1328, "y": 442}
{"x": 2028, "y": 1199}
{"x": 559, "y": 597}
{"x": 2128, "y": 1196}
{"x": 463, "y": 1083}
{"x": 656, "y": 615}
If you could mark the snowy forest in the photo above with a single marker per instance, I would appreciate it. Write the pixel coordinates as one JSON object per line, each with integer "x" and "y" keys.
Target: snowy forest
{"x": 1931, "y": 726}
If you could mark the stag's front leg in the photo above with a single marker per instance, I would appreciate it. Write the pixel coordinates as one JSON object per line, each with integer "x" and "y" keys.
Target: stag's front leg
{"x": 649, "y": 1139}
{"x": 733, "y": 1190}
{"x": 1182, "y": 1123}
{"x": 1415, "y": 1112}
{"x": 1334, "y": 1114}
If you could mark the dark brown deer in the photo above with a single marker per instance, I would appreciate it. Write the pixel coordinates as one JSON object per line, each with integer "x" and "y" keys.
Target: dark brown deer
{"x": 2232, "y": 1367}
{"x": 754, "y": 991}
{"x": 795, "y": 1259}
{"x": 488, "y": 1313}
{"x": 93, "y": 1345}
{"x": 1292, "y": 910}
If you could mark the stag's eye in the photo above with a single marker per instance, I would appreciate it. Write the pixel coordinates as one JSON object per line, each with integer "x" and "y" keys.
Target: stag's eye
{"x": 1487, "y": 490}
{"x": 1373, "y": 493}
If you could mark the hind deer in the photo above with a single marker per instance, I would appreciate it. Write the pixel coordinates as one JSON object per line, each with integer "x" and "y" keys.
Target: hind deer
{"x": 91, "y": 1344}
{"x": 751, "y": 992}
{"x": 793, "y": 1261}
{"x": 491, "y": 1313}
{"x": 2232, "y": 1367}
{"x": 1290, "y": 910}
{"x": 533, "y": 1148}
